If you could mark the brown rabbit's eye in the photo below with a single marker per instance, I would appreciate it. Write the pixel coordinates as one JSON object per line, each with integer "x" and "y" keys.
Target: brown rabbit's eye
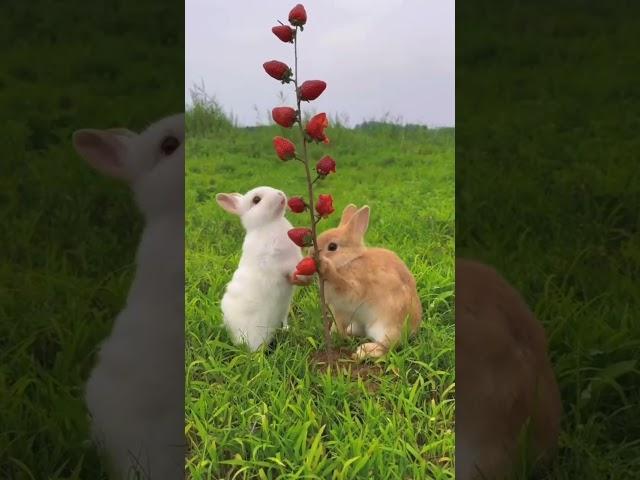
{"x": 333, "y": 247}
{"x": 256, "y": 200}
{"x": 169, "y": 145}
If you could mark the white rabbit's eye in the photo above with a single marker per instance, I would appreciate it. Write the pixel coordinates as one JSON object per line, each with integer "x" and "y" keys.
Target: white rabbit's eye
{"x": 256, "y": 200}
{"x": 169, "y": 145}
{"x": 333, "y": 247}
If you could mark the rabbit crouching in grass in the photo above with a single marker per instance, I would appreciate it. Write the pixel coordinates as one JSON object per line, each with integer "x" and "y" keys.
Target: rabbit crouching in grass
{"x": 135, "y": 393}
{"x": 256, "y": 301}
{"x": 370, "y": 291}
{"x": 505, "y": 385}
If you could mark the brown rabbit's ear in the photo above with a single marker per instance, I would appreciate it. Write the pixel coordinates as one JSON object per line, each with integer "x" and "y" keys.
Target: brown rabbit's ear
{"x": 347, "y": 213}
{"x": 359, "y": 222}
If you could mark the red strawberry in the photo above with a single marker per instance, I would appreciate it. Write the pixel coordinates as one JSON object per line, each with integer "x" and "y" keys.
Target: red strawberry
{"x": 298, "y": 16}
{"x": 278, "y": 70}
{"x": 285, "y": 149}
{"x": 315, "y": 128}
{"x": 324, "y": 207}
{"x": 284, "y": 116}
{"x": 307, "y": 266}
{"x": 326, "y": 165}
{"x": 297, "y": 204}
{"x": 301, "y": 236}
{"x": 311, "y": 89}
{"x": 284, "y": 33}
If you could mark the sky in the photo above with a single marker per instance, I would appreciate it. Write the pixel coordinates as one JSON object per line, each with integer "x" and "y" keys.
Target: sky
{"x": 378, "y": 57}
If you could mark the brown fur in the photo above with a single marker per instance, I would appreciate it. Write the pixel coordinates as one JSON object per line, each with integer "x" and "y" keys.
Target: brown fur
{"x": 370, "y": 291}
{"x": 503, "y": 376}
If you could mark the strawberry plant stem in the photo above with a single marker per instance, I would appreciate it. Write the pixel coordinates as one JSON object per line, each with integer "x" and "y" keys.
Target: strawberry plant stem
{"x": 305, "y": 161}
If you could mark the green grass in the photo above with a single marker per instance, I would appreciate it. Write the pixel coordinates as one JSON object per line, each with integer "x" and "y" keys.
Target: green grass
{"x": 547, "y": 190}
{"x": 257, "y": 415}
{"x": 68, "y": 235}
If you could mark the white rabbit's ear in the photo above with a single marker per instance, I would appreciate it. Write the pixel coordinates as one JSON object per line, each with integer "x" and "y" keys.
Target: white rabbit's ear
{"x": 347, "y": 213}
{"x": 230, "y": 202}
{"x": 104, "y": 150}
{"x": 359, "y": 222}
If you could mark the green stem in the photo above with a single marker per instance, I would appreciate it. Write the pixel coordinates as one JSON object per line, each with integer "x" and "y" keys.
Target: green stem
{"x": 305, "y": 161}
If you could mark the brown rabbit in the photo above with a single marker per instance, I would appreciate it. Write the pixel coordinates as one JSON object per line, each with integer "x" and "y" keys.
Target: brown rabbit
{"x": 370, "y": 291}
{"x": 504, "y": 378}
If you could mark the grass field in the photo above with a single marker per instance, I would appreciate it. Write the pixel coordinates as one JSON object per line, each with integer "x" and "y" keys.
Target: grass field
{"x": 69, "y": 235}
{"x": 273, "y": 415}
{"x": 547, "y": 190}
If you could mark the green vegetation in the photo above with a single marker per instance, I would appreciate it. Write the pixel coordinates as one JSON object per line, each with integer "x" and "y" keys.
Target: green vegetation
{"x": 276, "y": 415}
{"x": 69, "y": 235}
{"x": 547, "y": 190}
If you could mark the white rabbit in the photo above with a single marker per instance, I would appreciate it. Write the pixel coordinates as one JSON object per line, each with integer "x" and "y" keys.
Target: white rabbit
{"x": 135, "y": 394}
{"x": 256, "y": 301}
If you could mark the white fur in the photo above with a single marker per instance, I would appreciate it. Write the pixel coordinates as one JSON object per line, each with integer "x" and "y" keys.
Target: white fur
{"x": 256, "y": 301}
{"x": 135, "y": 394}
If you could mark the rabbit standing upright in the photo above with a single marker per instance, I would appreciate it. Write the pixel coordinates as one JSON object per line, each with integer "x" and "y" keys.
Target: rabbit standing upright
{"x": 256, "y": 301}
{"x": 135, "y": 393}
{"x": 504, "y": 378}
{"x": 371, "y": 291}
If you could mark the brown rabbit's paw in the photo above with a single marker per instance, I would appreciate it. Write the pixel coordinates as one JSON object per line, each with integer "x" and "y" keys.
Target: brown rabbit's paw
{"x": 369, "y": 350}
{"x": 355, "y": 330}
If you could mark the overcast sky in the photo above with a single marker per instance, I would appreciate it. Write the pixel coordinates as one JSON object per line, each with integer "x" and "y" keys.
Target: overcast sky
{"x": 377, "y": 56}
